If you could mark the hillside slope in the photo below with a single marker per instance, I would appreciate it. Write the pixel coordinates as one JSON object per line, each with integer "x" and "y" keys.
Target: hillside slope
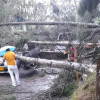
{"x": 86, "y": 90}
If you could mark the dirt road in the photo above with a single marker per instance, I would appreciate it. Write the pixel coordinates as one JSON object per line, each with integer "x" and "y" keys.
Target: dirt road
{"x": 29, "y": 86}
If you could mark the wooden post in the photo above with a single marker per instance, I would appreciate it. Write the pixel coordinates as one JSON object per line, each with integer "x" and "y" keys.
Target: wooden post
{"x": 98, "y": 79}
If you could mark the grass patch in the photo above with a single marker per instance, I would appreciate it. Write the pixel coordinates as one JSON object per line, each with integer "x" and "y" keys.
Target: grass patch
{"x": 65, "y": 91}
{"x": 6, "y": 92}
{"x": 86, "y": 90}
{"x": 65, "y": 84}
{"x": 6, "y": 89}
{"x": 7, "y": 97}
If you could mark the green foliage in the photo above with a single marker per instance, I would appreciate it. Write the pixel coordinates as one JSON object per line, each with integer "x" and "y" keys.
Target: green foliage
{"x": 7, "y": 37}
{"x": 66, "y": 91}
{"x": 20, "y": 42}
{"x": 87, "y": 5}
{"x": 97, "y": 20}
{"x": 86, "y": 90}
{"x": 20, "y": 12}
{"x": 7, "y": 97}
{"x": 69, "y": 89}
{"x": 64, "y": 85}
{"x": 2, "y": 14}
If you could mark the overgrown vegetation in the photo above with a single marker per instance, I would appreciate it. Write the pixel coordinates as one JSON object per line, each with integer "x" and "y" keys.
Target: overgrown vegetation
{"x": 7, "y": 97}
{"x": 87, "y": 5}
{"x": 66, "y": 91}
{"x": 86, "y": 90}
{"x": 64, "y": 85}
{"x": 6, "y": 92}
{"x": 20, "y": 11}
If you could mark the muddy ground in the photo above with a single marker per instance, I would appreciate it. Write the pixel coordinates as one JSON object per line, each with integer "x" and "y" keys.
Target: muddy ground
{"x": 30, "y": 85}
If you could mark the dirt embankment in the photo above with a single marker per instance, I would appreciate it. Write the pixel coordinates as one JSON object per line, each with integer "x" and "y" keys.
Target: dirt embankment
{"x": 86, "y": 90}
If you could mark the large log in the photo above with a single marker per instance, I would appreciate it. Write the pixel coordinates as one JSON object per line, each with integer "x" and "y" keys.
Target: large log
{"x": 90, "y": 25}
{"x": 96, "y": 30}
{"x": 64, "y": 43}
{"x": 50, "y": 42}
{"x": 59, "y": 64}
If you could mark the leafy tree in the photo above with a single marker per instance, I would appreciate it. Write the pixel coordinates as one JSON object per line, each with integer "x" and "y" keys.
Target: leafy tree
{"x": 2, "y": 15}
{"x": 87, "y": 5}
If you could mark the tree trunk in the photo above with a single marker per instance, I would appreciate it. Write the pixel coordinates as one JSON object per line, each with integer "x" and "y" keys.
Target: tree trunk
{"x": 64, "y": 43}
{"x": 50, "y": 42}
{"x": 91, "y": 30}
{"x": 90, "y": 25}
{"x": 83, "y": 68}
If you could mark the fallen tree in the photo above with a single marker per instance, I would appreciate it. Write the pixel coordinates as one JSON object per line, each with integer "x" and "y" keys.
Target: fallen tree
{"x": 50, "y": 42}
{"x": 64, "y": 43}
{"x": 83, "y": 68}
{"x": 96, "y": 30}
{"x": 90, "y": 25}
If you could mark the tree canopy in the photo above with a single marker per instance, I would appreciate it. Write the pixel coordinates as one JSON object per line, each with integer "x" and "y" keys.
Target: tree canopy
{"x": 87, "y": 5}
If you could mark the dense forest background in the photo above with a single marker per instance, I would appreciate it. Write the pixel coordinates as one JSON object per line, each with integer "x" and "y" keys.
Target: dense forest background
{"x": 45, "y": 11}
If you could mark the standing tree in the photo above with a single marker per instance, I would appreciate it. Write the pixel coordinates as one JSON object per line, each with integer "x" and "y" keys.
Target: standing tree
{"x": 87, "y": 5}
